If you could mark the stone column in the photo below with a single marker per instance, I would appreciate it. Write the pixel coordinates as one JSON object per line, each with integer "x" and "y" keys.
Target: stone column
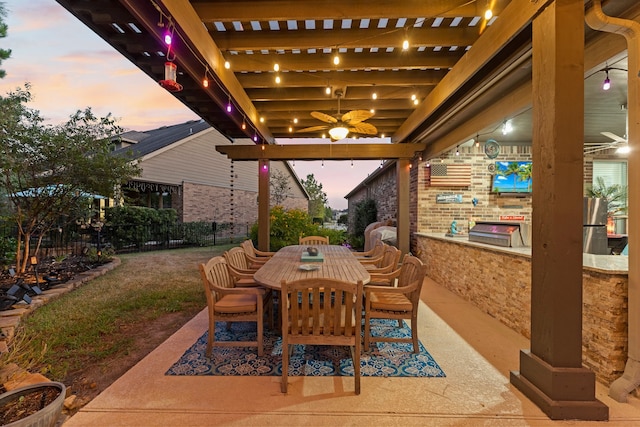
{"x": 551, "y": 373}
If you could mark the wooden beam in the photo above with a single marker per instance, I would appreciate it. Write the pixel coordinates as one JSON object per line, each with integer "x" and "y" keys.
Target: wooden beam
{"x": 340, "y": 79}
{"x": 191, "y": 28}
{"x": 227, "y": 11}
{"x": 320, "y": 151}
{"x": 515, "y": 17}
{"x": 348, "y": 61}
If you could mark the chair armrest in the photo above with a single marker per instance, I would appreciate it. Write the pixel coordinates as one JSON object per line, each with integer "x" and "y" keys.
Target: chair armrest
{"x": 370, "y": 260}
{"x": 386, "y": 276}
{"x": 254, "y": 260}
{"x": 380, "y": 270}
{"x": 264, "y": 254}
{"x": 240, "y": 273}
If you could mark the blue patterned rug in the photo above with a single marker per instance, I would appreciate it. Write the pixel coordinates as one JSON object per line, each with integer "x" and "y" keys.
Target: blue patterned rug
{"x": 382, "y": 360}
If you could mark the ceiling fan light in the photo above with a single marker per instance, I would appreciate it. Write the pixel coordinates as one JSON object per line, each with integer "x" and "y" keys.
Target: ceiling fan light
{"x": 623, "y": 149}
{"x": 339, "y": 132}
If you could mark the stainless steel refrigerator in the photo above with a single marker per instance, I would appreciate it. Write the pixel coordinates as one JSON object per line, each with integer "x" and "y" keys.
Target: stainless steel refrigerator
{"x": 595, "y": 226}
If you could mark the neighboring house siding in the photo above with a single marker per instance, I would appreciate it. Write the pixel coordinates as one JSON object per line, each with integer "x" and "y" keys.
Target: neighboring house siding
{"x": 212, "y": 187}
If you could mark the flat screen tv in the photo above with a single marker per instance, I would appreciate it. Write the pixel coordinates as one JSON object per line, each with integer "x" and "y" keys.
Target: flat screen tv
{"x": 512, "y": 178}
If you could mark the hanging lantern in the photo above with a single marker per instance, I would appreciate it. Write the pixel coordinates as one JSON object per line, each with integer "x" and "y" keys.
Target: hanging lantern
{"x": 169, "y": 82}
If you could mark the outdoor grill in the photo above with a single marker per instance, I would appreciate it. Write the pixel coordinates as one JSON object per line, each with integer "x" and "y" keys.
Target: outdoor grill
{"x": 508, "y": 234}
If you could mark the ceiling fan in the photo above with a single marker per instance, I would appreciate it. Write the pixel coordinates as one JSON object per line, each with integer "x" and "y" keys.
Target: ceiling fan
{"x": 616, "y": 141}
{"x": 339, "y": 127}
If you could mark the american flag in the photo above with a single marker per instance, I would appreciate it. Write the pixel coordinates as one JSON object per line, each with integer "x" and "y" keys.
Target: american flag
{"x": 449, "y": 175}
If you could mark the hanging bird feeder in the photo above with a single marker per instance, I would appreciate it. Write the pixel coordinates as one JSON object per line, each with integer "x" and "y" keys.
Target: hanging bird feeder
{"x": 169, "y": 82}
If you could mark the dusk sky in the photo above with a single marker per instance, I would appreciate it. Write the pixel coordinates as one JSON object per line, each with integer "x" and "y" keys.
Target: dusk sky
{"x": 71, "y": 68}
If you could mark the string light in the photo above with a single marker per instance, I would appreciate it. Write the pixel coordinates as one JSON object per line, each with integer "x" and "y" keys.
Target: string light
{"x": 168, "y": 35}
{"x": 244, "y": 124}
{"x": 205, "y": 80}
{"x": 327, "y": 90}
{"x": 477, "y": 140}
{"x": 322, "y": 162}
{"x": 606, "y": 85}
{"x": 227, "y": 64}
{"x": 278, "y": 80}
{"x": 229, "y": 105}
{"x": 488, "y": 13}
{"x": 276, "y": 67}
{"x": 351, "y": 162}
{"x": 507, "y": 127}
{"x": 374, "y": 96}
{"x": 336, "y": 58}
{"x": 457, "y": 151}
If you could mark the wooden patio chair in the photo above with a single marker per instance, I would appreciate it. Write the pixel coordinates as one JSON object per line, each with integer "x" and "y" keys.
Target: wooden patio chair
{"x": 228, "y": 303}
{"x": 254, "y": 257}
{"x": 396, "y": 302}
{"x": 373, "y": 252}
{"x": 251, "y": 250}
{"x": 387, "y": 262}
{"x": 239, "y": 267}
{"x": 321, "y": 311}
{"x": 314, "y": 240}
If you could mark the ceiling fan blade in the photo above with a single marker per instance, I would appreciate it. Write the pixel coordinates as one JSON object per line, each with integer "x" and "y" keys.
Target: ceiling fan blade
{"x": 356, "y": 116}
{"x": 313, "y": 128}
{"x": 595, "y": 149}
{"x": 613, "y": 136}
{"x": 364, "y": 128}
{"x": 324, "y": 117}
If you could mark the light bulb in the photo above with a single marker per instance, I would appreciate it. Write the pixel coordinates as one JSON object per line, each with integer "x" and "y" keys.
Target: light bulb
{"x": 488, "y": 14}
{"x": 405, "y": 44}
{"x": 336, "y": 59}
{"x": 227, "y": 64}
{"x": 327, "y": 90}
{"x": 276, "y": 67}
{"x": 168, "y": 38}
{"x": 374, "y": 95}
{"x": 278, "y": 79}
{"x": 606, "y": 85}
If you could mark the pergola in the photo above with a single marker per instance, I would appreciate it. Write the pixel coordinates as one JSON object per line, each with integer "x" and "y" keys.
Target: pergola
{"x": 461, "y": 75}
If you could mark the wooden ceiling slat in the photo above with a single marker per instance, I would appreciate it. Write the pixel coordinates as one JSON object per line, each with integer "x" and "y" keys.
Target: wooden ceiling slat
{"x": 233, "y": 10}
{"x": 366, "y": 38}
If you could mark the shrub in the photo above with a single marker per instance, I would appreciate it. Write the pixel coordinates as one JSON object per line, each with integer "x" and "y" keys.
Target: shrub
{"x": 287, "y": 227}
{"x": 366, "y": 212}
{"x": 8, "y": 247}
{"x": 136, "y": 225}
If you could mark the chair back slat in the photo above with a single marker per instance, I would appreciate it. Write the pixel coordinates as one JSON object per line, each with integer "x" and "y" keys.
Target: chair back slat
{"x": 236, "y": 258}
{"x": 412, "y": 272}
{"x": 313, "y": 240}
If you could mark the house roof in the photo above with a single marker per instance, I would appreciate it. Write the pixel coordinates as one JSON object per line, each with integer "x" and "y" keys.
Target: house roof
{"x": 156, "y": 139}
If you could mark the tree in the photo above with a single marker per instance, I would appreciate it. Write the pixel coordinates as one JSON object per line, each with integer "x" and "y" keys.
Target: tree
{"x": 280, "y": 187}
{"x": 49, "y": 173}
{"x": 4, "y": 53}
{"x": 317, "y": 197}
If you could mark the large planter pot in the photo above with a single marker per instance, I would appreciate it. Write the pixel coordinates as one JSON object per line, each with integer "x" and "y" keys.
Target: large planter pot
{"x": 47, "y": 415}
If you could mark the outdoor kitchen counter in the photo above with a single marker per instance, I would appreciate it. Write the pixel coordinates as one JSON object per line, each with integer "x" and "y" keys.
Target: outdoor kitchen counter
{"x": 497, "y": 280}
{"x": 608, "y": 264}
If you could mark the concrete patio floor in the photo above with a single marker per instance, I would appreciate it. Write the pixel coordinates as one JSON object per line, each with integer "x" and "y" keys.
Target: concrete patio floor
{"x": 475, "y": 351}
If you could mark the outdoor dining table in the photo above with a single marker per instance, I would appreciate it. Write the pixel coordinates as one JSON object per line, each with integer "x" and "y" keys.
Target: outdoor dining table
{"x": 337, "y": 262}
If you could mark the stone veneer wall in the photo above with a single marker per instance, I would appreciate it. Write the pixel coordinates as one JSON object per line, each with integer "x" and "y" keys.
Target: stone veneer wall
{"x": 500, "y": 284}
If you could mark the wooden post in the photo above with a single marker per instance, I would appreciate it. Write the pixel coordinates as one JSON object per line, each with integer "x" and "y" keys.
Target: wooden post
{"x": 403, "y": 168}
{"x": 264, "y": 194}
{"x": 551, "y": 373}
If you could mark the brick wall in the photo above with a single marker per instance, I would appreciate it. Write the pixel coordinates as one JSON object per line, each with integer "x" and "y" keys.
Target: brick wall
{"x": 500, "y": 284}
{"x": 209, "y": 203}
{"x": 435, "y": 217}
{"x": 383, "y": 190}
